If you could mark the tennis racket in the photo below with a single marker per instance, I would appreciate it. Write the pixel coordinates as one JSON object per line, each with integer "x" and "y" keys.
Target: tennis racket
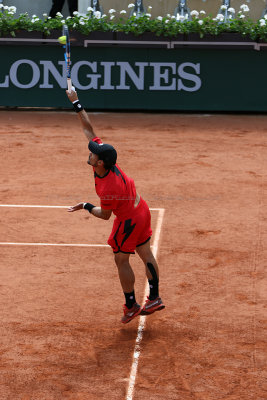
{"x": 65, "y": 32}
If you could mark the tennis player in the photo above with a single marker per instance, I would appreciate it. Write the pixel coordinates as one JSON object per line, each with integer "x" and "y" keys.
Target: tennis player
{"x": 132, "y": 226}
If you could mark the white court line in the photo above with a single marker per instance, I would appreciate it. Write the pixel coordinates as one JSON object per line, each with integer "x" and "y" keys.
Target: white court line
{"x": 30, "y": 206}
{"x": 53, "y": 244}
{"x": 142, "y": 321}
{"x": 141, "y": 325}
{"x": 37, "y": 206}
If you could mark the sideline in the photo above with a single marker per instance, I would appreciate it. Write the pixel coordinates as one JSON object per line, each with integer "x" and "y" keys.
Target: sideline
{"x": 141, "y": 325}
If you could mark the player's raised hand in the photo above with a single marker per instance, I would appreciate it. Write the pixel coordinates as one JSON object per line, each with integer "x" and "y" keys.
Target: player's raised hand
{"x": 83, "y": 117}
{"x": 78, "y": 206}
{"x": 72, "y": 95}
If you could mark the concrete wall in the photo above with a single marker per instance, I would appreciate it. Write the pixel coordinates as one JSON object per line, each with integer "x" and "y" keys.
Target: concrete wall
{"x": 159, "y": 7}
{"x": 34, "y": 7}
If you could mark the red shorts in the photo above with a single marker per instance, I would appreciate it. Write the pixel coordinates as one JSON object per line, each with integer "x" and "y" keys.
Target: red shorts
{"x": 132, "y": 232}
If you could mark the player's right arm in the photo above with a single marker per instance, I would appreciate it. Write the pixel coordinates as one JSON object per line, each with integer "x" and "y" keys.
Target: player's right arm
{"x": 96, "y": 211}
{"x": 83, "y": 117}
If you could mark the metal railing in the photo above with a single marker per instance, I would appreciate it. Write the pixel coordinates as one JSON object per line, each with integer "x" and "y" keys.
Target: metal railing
{"x": 172, "y": 44}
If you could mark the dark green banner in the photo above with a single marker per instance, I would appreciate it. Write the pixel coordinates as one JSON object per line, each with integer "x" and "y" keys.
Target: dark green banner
{"x": 140, "y": 79}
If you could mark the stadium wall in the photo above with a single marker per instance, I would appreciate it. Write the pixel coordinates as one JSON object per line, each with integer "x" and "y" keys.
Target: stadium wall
{"x": 159, "y": 7}
{"x": 184, "y": 79}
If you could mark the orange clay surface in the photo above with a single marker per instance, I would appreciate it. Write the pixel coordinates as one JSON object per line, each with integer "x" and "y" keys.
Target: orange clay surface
{"x": 61, "y": 335}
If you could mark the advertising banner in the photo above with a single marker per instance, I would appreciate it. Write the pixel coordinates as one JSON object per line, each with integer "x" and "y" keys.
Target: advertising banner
{"x": 134, "y": 78}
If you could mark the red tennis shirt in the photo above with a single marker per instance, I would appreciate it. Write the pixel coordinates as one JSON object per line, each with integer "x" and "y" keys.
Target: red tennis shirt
{"x": 116, "y": 190}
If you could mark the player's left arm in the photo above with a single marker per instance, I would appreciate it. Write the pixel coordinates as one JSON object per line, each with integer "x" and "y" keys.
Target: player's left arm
{"x": 101, "y": 213}
{"x": 96, "y": 211}
{"x": 82, "y": 115}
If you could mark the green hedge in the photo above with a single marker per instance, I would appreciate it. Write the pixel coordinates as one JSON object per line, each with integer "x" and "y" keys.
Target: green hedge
{"x": 167, "y": 26}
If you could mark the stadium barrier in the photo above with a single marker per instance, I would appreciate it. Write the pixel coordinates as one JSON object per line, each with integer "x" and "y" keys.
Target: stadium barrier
{"x": 155, "y": 76}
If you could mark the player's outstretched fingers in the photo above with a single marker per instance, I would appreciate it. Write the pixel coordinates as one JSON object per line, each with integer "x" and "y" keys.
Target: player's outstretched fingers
{"x": 75, "y": 208}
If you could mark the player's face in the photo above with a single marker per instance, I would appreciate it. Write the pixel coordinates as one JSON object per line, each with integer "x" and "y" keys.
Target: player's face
{"x": 93, "y": 160}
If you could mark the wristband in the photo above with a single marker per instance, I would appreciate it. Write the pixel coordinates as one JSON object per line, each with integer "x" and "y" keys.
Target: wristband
{"x": 77, "y": 106}
{"x": 88, "y": 207}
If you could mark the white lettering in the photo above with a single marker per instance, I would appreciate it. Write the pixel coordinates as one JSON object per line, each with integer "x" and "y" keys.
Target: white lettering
{"x": 14, "y": 72}
{"x": 93, "y": 78}
{"x": 107, "y": 75}
{"x": 168, "y": 76}
{"x": 138, "y": 81}
{"x": 165, "y": 76}
{"x": 61, "y": 79}
{"x": 6, "y": 82}
{"x": 189, "y": 77}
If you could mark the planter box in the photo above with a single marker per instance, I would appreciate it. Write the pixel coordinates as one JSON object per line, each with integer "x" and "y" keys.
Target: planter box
{"x": 148, "y": 36}
{"x": 78, "y": 38}
{"x": 54, "y": 34}
{"x": 102, "y": 39}
{"x": 228, "y": 38}
{"x": 21, "y": 35}
{"x": 262, "y": 41}
{"x": 142, "y": 40}
{"x": 145, "y": 40}
{"x": 222, "y": 37}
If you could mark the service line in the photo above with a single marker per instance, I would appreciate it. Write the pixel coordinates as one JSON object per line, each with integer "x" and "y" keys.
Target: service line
{"x": 142, "y": 321}
{"x": 53, "y": 244}
{"x": 39, "y": 206}
{"x": 30, "y": 206}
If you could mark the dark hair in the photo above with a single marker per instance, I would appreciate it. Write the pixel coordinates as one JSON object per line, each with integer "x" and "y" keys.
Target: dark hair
{"x": 109, "y": 158}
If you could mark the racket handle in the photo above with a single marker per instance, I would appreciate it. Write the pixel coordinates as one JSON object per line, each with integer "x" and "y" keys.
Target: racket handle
{"x": 69, "y": 85}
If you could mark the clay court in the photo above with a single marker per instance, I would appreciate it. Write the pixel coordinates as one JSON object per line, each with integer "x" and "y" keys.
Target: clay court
{"x": 204, "y": 178}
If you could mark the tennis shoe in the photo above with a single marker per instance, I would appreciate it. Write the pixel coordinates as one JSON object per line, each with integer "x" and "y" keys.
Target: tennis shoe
{"x": 130, "y": 313}
{"x": 152, "y": 306}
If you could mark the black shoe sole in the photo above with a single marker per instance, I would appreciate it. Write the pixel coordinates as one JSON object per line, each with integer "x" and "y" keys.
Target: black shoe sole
{"x": 134, "y": 316}
{"x": 152, "y": 312}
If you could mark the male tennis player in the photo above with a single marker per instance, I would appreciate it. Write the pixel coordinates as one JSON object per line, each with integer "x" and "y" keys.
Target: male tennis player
{"x": 131, "y": 229}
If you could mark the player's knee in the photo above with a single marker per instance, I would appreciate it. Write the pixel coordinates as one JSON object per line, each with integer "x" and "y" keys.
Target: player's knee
{"x": 121, "y": 260}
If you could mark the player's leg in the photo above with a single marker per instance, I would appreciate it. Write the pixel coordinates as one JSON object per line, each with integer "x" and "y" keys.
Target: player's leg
{"x": 154, "y": 302}
{"x": 122, "y": 246}
{"x": 73, "y": 6}
{"x": 152, "y": 269}
{"x": 57, "y": 6}
{"x": 127, "y": 279}
{"x": 125, "y": 271}
{"x": 147, "y": 257}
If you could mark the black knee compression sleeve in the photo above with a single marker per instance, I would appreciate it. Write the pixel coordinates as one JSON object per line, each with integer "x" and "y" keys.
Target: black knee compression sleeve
{"x": 152, "y": 271}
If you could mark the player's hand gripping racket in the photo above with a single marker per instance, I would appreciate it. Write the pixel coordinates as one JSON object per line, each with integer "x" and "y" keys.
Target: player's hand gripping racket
{"x": 65, "y": 32}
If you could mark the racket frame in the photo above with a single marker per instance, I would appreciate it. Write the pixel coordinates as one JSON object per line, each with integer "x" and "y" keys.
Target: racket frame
{"x": 65, "y": 32}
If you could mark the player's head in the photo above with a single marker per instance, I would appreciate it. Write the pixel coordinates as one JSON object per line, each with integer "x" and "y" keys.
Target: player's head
{"x": 104, "y": 152}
